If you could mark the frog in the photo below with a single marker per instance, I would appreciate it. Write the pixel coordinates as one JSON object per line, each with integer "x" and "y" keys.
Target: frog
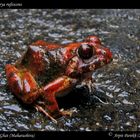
{"x": 49, "y": 70}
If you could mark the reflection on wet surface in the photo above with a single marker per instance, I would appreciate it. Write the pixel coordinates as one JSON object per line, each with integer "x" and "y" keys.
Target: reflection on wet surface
{"x": 116, "y": 101}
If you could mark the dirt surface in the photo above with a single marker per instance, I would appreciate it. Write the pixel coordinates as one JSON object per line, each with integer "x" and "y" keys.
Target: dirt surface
{"x": 116, "y": 105}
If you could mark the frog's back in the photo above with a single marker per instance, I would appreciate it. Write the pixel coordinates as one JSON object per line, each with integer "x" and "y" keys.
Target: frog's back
{"x": 44, "y": 64}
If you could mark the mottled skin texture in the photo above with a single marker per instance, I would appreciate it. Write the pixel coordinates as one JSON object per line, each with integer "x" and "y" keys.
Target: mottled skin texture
{"x": 48, "y": 70}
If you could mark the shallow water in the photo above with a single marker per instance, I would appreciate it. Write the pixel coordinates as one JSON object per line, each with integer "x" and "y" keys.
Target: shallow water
{"x": 117, "y": 101}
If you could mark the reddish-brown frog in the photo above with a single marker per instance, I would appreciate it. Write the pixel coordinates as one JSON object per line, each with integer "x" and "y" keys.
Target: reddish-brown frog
{"x": 48, "y": 70}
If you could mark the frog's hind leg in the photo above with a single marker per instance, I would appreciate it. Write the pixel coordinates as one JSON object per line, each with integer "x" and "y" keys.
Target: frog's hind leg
{"x": 13, "y": 79}
{"x": 22, "y": 84}
{"x": 57, "y": 87}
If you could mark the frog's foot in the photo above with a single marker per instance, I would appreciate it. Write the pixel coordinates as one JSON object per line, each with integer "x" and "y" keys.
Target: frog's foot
{"x": 39, "y": 108}
{"x": 67, "y": 112}
{"x": 89, "y": 84}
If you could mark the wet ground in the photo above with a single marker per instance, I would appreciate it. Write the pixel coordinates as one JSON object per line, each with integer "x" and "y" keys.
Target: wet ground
{"x": 116, "y": 105}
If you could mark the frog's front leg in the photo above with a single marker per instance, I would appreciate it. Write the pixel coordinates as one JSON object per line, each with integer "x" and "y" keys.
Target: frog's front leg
{"x": 89, "y": 82}
{"x": 56, "y": 88}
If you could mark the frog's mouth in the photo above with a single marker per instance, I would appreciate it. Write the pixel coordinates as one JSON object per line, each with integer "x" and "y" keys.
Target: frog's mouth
{"x": 87, "y": 61}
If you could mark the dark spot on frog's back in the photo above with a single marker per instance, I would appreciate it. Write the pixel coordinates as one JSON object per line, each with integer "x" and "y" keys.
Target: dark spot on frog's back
{"x": 52, "y": 72}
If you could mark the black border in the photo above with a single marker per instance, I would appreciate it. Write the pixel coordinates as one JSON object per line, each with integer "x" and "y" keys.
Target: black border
{"x": 109, "y": 135}
{"x": 64, "y": 4}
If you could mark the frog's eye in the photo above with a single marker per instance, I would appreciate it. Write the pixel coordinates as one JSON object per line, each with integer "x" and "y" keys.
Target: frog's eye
{"x": 86, "y": 51}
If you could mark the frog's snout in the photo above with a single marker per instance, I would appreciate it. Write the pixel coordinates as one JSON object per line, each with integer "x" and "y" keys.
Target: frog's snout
{"x": 109, "y": 55}
{"x": 111, "y": 59}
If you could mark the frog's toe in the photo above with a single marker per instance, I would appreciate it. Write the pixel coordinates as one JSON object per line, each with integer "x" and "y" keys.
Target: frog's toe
{"x": 67, "y": 112}
{"x": 39, "y": 108}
